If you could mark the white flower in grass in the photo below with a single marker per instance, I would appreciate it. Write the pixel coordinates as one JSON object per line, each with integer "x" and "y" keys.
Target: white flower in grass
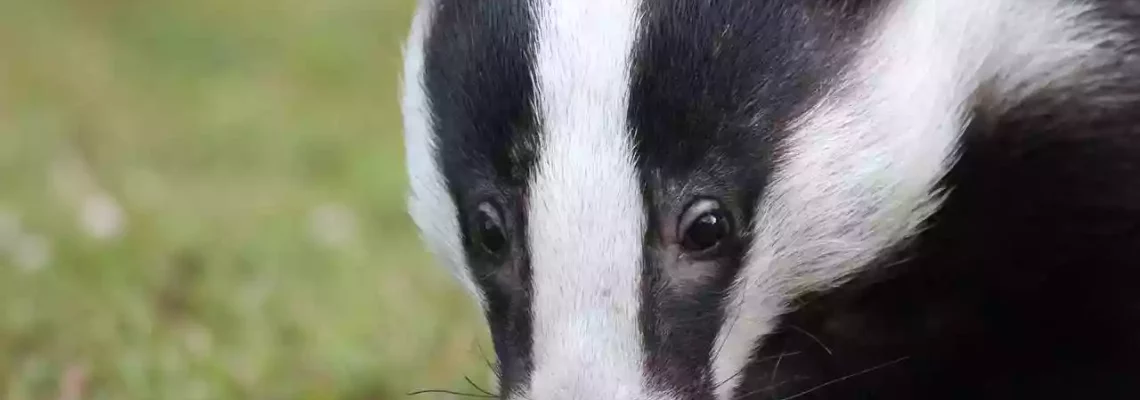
{"x": 10, "y": 230}
{"x": 332, "y": 225}
{"x": 31, "y": 252}
{"x": 198, "y": 341}
{"x": 101, "y": 216}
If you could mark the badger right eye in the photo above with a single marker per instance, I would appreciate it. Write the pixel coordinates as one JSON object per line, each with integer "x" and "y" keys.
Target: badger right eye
{"x": 704, "y": 226}
{"x": 488, "y": 233}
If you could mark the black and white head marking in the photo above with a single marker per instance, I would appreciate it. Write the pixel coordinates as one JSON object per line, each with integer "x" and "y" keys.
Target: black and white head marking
{"x": 638, "y": 193}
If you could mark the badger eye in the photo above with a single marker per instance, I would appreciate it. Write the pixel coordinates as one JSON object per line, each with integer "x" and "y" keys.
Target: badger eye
{"x": 488, "y": 232}
{"x": 704, "y": 226}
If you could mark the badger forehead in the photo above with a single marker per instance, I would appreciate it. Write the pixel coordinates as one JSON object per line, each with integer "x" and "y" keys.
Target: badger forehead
{"x": 699, "y": 101}
{"x": 593, "y": 123}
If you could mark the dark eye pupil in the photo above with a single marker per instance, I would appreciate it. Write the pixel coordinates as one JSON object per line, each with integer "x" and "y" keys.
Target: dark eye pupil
{"x": 706, "y": 232}
{"x": 491, "y": 236}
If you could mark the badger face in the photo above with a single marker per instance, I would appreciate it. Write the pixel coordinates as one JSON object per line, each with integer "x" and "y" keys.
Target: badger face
{"x": 637, "y": 192}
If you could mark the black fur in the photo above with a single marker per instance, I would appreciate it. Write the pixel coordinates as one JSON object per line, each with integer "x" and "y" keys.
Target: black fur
{"x": 478, "y": 76}
{"x": 1023, "y": 285}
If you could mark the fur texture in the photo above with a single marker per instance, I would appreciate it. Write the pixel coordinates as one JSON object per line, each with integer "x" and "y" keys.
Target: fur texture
{"x": 927, "y": 198}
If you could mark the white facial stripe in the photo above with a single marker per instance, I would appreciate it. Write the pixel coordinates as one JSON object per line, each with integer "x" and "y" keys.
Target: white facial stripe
{"x": 862, "y": 167}
{"x": 586, "y": 219}
{"x": 430, "y": 205}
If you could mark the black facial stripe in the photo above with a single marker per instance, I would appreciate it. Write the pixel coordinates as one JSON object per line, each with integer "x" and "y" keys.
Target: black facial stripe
{"x": 478, "y": 77}
{"x": 714, "y": 83}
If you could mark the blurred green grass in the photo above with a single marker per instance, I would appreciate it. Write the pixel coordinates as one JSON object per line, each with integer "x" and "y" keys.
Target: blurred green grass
{"x": 203, "y": 199}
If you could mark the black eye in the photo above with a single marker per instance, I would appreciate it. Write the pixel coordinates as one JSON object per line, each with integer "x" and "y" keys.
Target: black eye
{"x": 704, "y": 226}
{"x": 488, "y": 231}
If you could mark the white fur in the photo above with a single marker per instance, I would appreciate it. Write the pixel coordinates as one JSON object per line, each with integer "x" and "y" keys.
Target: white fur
{"x": 863, "y": 164}
{"x": 430, "y": 205}
{"x": 586, "y": 216}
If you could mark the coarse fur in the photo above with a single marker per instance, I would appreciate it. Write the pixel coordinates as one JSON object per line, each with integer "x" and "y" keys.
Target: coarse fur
{"x": 929, "y": 198}
{"x": 585, "y": 217}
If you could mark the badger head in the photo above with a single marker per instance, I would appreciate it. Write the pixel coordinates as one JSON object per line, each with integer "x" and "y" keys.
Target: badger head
{"x": 636, "y": 192}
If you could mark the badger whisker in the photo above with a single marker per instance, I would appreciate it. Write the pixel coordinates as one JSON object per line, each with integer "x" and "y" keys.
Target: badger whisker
{"x": 812, "y": 337}
{"x": 776, "y": 369}
{"x": 778, "y": 358}
{"x": 451, "y": 392}
{"x": 477, "y": 387}
{"x": 846, "y": 377}
{"x": 768, "y": 388}
{"x": 491, "y": 365}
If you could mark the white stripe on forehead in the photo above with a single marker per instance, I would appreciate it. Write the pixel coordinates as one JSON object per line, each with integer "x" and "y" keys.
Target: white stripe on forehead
{"x": 586, "y": 220}
{"x": 862, "y": 166}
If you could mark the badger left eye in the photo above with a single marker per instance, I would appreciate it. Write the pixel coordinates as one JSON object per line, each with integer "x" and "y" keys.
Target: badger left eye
{"x": 488, "y": 232}
{"x": 704, "y": 227}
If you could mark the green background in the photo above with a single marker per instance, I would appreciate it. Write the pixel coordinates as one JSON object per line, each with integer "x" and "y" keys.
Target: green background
{"x": 204, "y": 199}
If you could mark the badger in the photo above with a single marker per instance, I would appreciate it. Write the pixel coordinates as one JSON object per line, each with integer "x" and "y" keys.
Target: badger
{"x": 786, "y": 199}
